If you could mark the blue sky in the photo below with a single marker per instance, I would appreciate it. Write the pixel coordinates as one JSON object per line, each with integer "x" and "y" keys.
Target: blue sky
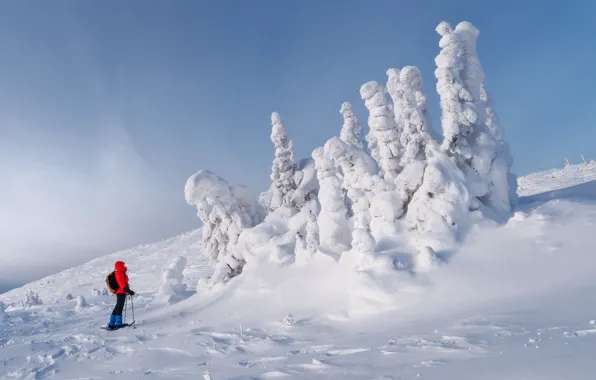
{"x": 107, "y": 108}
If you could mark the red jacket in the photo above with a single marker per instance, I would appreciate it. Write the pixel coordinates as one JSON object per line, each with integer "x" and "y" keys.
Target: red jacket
{"x": 121, "y": 277}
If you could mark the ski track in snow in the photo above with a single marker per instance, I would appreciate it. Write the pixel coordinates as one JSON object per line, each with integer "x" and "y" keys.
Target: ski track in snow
{"x": 547, "y": 335}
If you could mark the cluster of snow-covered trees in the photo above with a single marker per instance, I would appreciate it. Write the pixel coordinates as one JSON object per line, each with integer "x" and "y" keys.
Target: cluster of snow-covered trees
{"x": 407, "y": 180}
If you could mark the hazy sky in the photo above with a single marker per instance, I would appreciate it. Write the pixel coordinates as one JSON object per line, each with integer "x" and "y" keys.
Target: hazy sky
{"x": 106, "y": 108}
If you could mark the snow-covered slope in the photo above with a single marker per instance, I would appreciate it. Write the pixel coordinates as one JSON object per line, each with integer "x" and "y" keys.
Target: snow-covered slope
{"x": 514, "y": 303}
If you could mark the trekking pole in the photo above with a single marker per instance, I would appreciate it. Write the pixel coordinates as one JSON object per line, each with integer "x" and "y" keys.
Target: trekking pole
{"x": 124, "y": 311}
{"x": 132, "y": 307}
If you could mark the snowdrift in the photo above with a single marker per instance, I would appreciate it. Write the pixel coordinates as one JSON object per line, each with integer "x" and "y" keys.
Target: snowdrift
{"x": 514, "y": 295}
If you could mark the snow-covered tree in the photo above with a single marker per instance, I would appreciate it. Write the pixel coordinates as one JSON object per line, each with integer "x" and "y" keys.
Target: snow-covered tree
{"x": 283, "y": 185}
{"x": 307, "y": 185}
{"x": 32, "y": 298}
{"x": 472, "y": 131}
{"x": 223, "y": 220}
{"x": 363, "y": 243}
{"x": 358, "y": 178}
{"x": 426, "y": 260}
{"x": 81, "y": 303}
{"x": 415, "y": 133}
{"x": 438, "y": 213}
{"x": 248, "y": 203}
{"x": 351, "y": 132}
{"x": 173, "y": 288}
{"x": 386, "y": 208}
{"x": 384, "y": 141}
{"x": 334, "y": 232}
{"x": 459, "y": 113}
{"x": 502, "y": 192}
{"x": 312, "y": 233}
{"x": 395, "y": 89}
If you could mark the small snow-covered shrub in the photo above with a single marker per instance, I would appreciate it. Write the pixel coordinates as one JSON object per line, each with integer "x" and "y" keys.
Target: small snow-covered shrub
{"x": 426, "y": 260}
{"x": 312, "y": 233}
{"x": 69, "y": 297}
{"x": 173, "y": 288}
{"x": 81, "y": 303}
{"x": 202, "y": 284}
{"x": 288, "y": 320}
{"x": 32, "y": 299}
{"x": 334, "y": 231}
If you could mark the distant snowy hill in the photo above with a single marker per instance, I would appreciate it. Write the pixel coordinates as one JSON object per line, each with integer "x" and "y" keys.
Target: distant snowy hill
{"x": 516, "y": 302}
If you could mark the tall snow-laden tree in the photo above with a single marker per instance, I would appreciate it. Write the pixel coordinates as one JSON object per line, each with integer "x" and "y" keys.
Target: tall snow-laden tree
{"x": 487, "y": 169}
{"x": 351, "y": 132}
{"x": 459, "y": 113}
{"x": 503, "y": 183}
{"x": 334, "y": 230}
{"x": 492, "y": 159}
{"x": 283, "y": 170}
{"x": 384, "y": 136}
{"x": 223, "y": 220}
{"x": 395, "y": 90}
{"x": 416, "y": 121}
{"x": 358, "y": 178}
{"x": 415, "y": 133}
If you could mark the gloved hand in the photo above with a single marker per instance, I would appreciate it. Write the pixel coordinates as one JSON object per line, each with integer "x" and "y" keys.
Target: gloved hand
{"x": 131, "y": 292}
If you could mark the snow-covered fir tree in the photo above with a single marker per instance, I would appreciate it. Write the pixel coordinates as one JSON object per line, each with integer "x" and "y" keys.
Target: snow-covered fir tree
{"x": 312, "y": 232}
{"x": 383, "y": 130}
{"x": 283, "y": 170}
{"x": 415, "y": 131}
{"x": 223, "y": 221}
{"x": 358, "y": 178}
{"x": 459, "y": 113}
{"x": 334, "y": 231}
{"x": 488, "y": 161}
{"x": 371, "y": 201}
{"x": 395, "y": 90}
{"x": 438, "y": 213}
{"x": 363, "y": 242}
{"x": 307, "y": 185}
{"x": 502, "y": 192}
{"x": 351, "y": 132}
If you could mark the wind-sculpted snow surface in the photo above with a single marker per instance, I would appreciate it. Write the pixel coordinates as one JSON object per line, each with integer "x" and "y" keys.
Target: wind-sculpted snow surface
{"x": 500, "y": 306}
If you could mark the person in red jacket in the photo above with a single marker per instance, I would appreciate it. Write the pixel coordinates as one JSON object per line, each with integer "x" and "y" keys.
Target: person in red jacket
{"x": 121, "y": 293}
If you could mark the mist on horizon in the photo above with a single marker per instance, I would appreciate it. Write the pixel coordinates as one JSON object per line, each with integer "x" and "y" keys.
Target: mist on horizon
{"x": 64, "y": 204}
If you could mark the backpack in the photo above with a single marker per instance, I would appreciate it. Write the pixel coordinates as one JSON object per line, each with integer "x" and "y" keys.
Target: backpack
{"x": 112, "y": 283}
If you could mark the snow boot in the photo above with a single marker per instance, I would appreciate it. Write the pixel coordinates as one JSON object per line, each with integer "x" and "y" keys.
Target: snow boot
{"x": 112, "y": 322}
{"x": 118, "y": 322}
